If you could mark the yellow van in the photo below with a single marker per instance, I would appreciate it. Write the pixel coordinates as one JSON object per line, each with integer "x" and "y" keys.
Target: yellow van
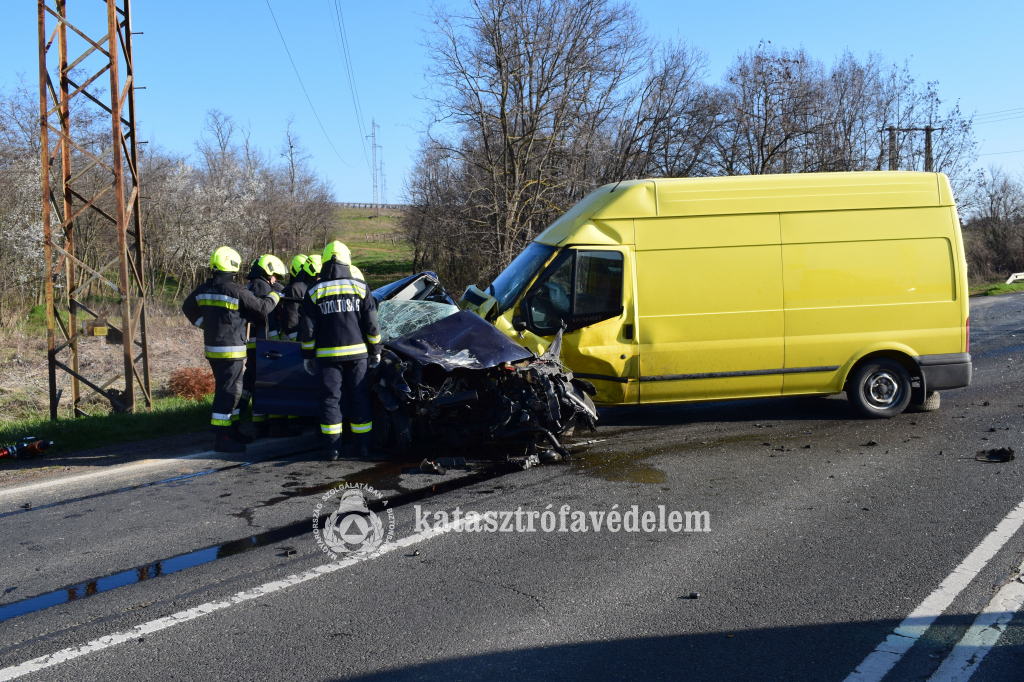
{"x": 695, "y": 289}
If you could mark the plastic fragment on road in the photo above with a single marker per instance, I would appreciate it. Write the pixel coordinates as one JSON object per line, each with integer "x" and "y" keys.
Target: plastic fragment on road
{"x": 995, "y": 455}
{"x": 430, "y": 467}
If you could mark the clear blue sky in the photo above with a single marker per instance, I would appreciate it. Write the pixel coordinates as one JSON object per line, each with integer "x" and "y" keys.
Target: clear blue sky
{"x": 197, "y": 55}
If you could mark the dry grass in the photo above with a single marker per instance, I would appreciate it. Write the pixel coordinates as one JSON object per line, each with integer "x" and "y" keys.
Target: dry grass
{"x": 191, "y": 383}
{"x": 173, "y": 344}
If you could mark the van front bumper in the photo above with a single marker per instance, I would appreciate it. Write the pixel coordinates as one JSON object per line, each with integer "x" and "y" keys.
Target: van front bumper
{"x": 949, "y": 370}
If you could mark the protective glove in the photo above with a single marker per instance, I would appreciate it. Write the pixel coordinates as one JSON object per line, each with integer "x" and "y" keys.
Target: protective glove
{"x": 309, "y": 366}
{"x": 374, "y": 361}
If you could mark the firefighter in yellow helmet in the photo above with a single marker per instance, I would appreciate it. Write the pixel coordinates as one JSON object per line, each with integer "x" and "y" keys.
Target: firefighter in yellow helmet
{"x": 340, "y": 339}
{"x": 263, "y": 275}
{"x": 219, "y": 307}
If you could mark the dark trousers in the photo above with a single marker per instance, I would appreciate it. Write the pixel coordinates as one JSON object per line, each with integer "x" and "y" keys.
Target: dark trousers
{"x": 227, "y": 377}
{"x": 345, "y": 394}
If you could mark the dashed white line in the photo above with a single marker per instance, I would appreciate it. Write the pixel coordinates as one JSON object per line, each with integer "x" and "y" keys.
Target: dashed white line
{"x": 180, "y": 617}
{"x": 970, "y": 651}
{"x": 888, "y": 653}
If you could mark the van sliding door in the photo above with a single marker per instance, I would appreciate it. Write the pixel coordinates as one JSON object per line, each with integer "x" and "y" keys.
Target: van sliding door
{"x": 709, "y": 293}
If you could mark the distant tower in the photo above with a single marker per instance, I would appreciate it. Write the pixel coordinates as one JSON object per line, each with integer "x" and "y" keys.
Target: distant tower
{"x": 373, "y": 146}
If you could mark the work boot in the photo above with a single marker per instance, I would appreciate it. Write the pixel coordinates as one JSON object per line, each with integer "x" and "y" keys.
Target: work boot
{"x": 331, "y": 453}
{"x": 361, "y": 452}
{"x": 224, "y": 443}
{"x": 239, "y": 437}
{"x": 282, "y": 429}
{"x": 261, "y": 429}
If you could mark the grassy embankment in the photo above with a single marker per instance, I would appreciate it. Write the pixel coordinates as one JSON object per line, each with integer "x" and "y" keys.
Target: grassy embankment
{"x": 380, "y": 261}
{"x": 996, "y": 288}
{"x": 170, "y": 416}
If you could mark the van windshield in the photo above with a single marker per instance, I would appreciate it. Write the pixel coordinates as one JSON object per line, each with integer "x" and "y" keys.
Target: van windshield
{"x": 507, "y": 286}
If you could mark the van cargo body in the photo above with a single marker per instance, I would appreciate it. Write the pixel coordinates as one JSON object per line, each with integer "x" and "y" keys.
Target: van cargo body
{"x": 695, "y": 289}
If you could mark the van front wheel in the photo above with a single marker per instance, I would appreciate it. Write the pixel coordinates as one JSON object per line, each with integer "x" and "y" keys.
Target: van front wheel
{"x": 880, "y": 389}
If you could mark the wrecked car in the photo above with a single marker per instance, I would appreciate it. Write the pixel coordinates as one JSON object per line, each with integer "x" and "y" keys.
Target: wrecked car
{"x": 447, "y": 380}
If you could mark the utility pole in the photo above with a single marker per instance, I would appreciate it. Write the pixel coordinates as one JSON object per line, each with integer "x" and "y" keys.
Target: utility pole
{"x": 373, "y": 146}
{"x": 894, "y": 162}
{"x": 929, "y": 160}
{"x": 929, "y": 163}
{"x": 110, "y": 194}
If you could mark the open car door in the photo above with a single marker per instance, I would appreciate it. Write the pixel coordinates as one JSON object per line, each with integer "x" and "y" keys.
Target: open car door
{"x": 282, "y": 385}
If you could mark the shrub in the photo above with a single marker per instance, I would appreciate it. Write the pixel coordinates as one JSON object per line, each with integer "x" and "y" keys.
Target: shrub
{"x": 192, "y": 383}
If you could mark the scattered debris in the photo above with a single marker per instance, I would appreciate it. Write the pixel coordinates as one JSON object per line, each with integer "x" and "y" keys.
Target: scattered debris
{"x": 29, "y": 446}
{"x": 995, "y": 455}
{"x": 524, "y": 463}
{"x": 871, "y": 443}
{"x": 288, "y": 551}
{"x": 453, "y": 462}
{"x": 550, "y": 457}
{"x": 986, "y": 404}
{"x": 431, "y": 467}
{"x": 992, "y": 430}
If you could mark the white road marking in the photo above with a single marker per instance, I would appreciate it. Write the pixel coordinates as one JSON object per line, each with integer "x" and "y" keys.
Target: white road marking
{"x": 130, "y": 468}
{"x": 180, "y": 617}
{"x": 127, "y": 468}
{"x": 888, "y": 653}
{"x": 979, "y": 639}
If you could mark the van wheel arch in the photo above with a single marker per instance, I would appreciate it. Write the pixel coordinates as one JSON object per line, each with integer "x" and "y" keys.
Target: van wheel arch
{"x": 908, "y": 362}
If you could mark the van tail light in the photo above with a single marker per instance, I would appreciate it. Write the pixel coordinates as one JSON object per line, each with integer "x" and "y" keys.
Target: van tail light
{"x": 967, "y": 325}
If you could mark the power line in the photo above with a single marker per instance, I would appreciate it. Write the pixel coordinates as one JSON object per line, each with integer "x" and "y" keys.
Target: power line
{"x": 1000, "y": 120}
{"x": 303, "y": 85}
{"x": 1016, "y": 151}
{"x": 341, "y": 41}
{"x": 1000, "y": 113}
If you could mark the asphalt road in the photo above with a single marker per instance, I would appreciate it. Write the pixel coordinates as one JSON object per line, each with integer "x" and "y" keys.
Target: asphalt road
{"x": 826, "y": 533}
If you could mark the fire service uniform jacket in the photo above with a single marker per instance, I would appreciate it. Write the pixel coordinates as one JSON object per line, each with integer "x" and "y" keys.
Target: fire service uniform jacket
{"x": 339, "y": 320}
{"x": 290, "y": 312}
{"x": 217, "y": 307}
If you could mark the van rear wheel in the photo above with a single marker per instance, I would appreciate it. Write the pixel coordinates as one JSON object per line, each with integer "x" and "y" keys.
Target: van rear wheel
{"x": 880, "y": 389}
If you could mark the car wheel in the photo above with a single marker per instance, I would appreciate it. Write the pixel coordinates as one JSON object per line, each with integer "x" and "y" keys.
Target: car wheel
{"x": 880, "y": 389}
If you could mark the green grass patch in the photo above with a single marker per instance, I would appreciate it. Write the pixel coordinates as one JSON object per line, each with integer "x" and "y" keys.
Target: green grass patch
{"x": 170, "y": 416}
{"x": 996, "y": 289}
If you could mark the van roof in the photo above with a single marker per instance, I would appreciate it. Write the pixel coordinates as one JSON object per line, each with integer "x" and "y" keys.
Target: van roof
{"x": 783, "y": 193}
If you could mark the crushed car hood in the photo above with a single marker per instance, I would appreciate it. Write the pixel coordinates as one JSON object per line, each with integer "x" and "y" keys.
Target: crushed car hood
{"x": 463, "y": 340}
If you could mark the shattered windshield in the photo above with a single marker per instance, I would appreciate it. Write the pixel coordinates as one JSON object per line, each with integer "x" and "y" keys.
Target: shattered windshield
{"x": 398, "y": 318}
{"x": 507, "y": 286}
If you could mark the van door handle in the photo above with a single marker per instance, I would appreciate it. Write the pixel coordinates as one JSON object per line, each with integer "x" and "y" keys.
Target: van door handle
{"x": 271, "y": 355}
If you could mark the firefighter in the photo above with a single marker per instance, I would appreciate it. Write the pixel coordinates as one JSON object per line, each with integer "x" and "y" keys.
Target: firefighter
{"x": 263, "y": 274}
{"x": 340, "y": 331}
{"x": 288, "y": 311}
{"x": 217, "y": 307}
